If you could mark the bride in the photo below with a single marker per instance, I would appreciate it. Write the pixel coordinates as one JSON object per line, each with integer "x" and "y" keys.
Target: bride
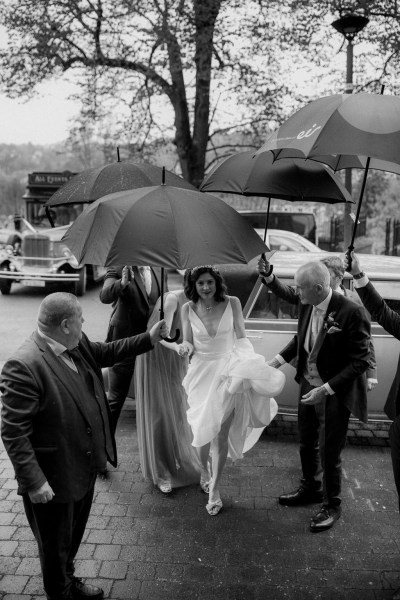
{"x": 229, "y": 387}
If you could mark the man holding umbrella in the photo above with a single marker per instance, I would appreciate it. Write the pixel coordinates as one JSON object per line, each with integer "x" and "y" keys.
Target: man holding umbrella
{"x": 389, "y": 320}
{"x": 133, "y": 291}
{"x": 331, "y": 351}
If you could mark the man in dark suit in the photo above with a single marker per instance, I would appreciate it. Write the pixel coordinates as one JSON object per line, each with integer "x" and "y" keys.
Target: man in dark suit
{"x": 55, "y": 426}
{"x": 389, "y": 320}
{"x": 331, "y": 353}
{"x": 336, "y": 273}
{"x": 133, "y": 291}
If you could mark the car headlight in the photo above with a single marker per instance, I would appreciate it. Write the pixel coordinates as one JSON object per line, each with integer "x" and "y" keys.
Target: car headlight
{"x": 61, "y": 251}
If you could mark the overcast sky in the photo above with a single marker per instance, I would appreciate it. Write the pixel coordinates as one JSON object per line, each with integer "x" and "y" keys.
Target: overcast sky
{"x": 43, "y": 120}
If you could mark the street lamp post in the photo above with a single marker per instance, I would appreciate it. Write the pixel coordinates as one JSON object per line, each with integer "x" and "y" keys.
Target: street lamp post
{"x": 349, "y": 25}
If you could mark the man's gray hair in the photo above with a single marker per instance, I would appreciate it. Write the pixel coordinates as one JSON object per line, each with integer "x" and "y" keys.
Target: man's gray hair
{"x": 55, "y": 308}
{"x": 316, "y": 272}
{"x": 334, "y": 263}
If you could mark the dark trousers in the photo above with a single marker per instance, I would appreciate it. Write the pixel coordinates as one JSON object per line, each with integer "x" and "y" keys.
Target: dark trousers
{"x": 394, "y": 437}
{"x": 323, "y": 430}
{"x": 58, "y": 528}
{"x": 119, "y": 380}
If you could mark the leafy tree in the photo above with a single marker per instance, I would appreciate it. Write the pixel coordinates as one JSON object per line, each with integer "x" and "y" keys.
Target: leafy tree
{"x": 214, "y": 76}
{"x": 161, "y": 65}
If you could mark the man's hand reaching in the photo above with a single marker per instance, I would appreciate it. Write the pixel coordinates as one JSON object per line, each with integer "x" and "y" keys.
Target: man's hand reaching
{"x": 159, "y": 331}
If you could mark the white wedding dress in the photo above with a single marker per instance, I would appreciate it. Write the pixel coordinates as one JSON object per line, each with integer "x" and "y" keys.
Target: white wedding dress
{"x": 225, "y": 374}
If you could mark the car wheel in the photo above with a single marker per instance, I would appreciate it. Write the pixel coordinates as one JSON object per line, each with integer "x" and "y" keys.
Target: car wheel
{"x": 5, "y": 284}
{"x": 80, "y": 285}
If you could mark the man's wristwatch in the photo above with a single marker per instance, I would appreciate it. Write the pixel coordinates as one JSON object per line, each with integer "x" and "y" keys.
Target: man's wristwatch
{"x": 359, "y": 275}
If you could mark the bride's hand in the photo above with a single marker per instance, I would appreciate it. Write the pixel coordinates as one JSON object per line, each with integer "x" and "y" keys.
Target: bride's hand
{"x": 183, "y": 350}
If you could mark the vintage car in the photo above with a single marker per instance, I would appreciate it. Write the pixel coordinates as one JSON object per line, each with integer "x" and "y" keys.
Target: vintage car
{"x": 31, "y": 252}
{"x": 271, "y": 322}
{"x": 41, "y": 259}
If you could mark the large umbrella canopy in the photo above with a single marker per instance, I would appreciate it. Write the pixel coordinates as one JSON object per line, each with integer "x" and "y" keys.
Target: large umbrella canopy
{"x": 358, "y": 128}
{"x": 354, "y": 125}
{"x": 91, "y": 184}
{"x": 162, "y": 226}
{"x": 289, "y": 179}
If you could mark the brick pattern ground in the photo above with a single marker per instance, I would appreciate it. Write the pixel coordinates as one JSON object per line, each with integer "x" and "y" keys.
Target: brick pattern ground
{"x": 142, "y": 545}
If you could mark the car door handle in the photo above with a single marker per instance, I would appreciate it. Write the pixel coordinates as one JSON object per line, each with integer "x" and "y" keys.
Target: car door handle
{"x": 254, "y": 337}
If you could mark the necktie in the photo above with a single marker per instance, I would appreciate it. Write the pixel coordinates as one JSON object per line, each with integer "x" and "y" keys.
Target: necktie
{"x": 67, "y": 358}
{"x": 316, "y": 320}
{"x": 145, "y": 274}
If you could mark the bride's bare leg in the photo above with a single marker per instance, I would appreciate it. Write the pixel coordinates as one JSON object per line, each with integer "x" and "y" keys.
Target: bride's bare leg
{"x": 204, "y": 455}
{"x": 219, "y": 450}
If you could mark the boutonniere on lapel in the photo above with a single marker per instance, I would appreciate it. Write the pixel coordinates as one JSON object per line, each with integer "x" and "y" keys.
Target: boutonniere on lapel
{"x": 330, "y": 325}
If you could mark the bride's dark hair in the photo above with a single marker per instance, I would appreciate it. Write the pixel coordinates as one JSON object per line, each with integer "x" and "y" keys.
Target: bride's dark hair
{"x": 192, "y": 275}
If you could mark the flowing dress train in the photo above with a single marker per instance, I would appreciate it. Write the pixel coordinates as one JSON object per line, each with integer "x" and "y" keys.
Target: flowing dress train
{"x": 225, "y": 375}
{"x": 164, "y": 435}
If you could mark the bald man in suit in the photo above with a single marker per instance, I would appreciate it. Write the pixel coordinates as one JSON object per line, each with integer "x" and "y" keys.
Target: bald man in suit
{"x": 55, "y": 426}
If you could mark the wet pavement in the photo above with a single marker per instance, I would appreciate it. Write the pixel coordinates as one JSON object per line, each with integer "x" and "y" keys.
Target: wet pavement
{"x": 142, "y": 545}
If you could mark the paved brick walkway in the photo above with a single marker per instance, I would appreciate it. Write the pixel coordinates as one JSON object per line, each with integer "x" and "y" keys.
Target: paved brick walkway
{"x": 141, "y": 545}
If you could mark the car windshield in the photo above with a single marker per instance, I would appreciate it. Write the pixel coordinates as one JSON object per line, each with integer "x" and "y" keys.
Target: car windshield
{"x": 61, "y": 215}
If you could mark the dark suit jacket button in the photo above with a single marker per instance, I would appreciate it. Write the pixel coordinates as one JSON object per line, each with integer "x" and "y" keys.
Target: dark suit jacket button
{"x": 89, "y": 453}
{"x": 88, "y": 430}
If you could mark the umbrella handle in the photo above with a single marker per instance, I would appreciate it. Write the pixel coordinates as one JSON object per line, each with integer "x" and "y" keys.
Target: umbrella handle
{"x": 348, "y": 256}
{"x": 173, "y": 339}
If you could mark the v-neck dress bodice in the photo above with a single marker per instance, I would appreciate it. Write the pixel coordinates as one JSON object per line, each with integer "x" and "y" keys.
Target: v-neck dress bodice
{"x": 211, "y": 347}
{"x": 225, "y": 375}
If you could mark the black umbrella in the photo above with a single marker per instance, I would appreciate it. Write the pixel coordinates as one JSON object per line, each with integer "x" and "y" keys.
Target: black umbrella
{"x": 343, "y": 130}
{"x": 91, "y": 184}
{"x": 162, "y": 226}
{"x": 293, "y": 179}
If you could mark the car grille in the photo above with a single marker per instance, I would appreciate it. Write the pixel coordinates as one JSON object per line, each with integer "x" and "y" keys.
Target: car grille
{"x": 35, "y": 249}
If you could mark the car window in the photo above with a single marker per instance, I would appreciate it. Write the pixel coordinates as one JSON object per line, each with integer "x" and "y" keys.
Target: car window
{"x": 304, "y": 224}
{"x": 268, "y": 306}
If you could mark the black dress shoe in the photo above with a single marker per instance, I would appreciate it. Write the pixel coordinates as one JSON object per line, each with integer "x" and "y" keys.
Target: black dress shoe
{"x": 80, "y": 590}
{"x": 325, "y": 518}
{"x": 301, "y": 496}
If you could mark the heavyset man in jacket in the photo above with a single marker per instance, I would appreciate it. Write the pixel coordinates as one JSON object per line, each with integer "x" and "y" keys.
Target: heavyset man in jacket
{"x": 55, "y": 426}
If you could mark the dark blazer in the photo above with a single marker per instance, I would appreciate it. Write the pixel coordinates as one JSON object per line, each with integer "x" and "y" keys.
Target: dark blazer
{"x": 342, "y": 357}
{"x": 131, "y": 305}
{"x": 288, "y": 294}
{"x": 389, "y": 320}
{"x": 45, "y": 426}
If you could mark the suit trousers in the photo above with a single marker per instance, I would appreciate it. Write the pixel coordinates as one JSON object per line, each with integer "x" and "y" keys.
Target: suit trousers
{"x": 323, "y": 430}
{"x": 394, "y": 437}
{"x": 119, "y": 380}
{"x": 58, "y": 528}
